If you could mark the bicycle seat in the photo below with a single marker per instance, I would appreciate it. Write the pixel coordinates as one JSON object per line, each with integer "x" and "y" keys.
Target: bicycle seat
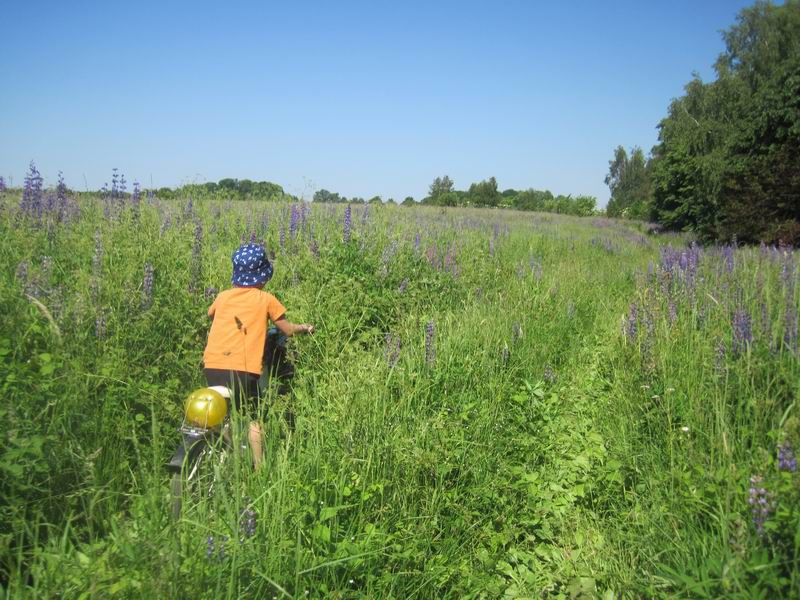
{"x": 223, "y": 390}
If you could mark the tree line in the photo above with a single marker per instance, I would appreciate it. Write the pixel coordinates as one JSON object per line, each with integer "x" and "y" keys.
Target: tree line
{"x": 727, "y": 162}
{"x": 485, "y": 193}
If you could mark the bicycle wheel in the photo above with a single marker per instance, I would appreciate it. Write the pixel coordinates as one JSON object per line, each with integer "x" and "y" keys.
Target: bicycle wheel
{"x": 198, "y": 479}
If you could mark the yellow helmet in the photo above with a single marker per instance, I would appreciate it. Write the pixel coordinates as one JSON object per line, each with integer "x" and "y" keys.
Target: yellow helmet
{"x": 206, "y": 408}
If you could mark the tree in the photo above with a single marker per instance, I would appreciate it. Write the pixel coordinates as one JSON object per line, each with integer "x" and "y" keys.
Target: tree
{"x": 324, "y": 195}
{"x": 728, "y": 158}
{"x": 408, "y": 201}
{"x": 629, "y": 182}
{"x": 440, "y": 185}
{"x": 484, "y": 193}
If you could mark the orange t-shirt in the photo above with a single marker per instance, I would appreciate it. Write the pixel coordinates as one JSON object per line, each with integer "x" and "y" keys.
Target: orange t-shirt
{"x": 239, "y": 331}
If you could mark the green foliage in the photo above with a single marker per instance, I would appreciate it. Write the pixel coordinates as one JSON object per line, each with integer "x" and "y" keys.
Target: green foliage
{"x": 629, "y": 181}
{"x": 726, "y": 164}
{"x": 540, "y": 452}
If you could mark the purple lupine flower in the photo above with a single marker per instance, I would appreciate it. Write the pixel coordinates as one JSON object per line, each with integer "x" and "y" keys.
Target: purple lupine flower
{"x": 215, "y": 548}
{"x": 314, "y": 248}
{"x": 672, "y": 312}
{"x": 210, "y": 547}
{"x": 491, "y": 246}
{"x": 720, "y": 352}
{"x": 727, "y": 255}
{"x": 417, "y": 241}
{"x": 147, "y": 287}
{"x": 2, "y": 184}
{"x": 742, "y": 330}
{"x": 632, "y": 322}
{"x": 403, "y": 285}
{"x": 166, "y": 223}
{"x": 282, "y": 238}
{"x": 790, "y": 330}
{"x": 348, "y": 223}
{"x": 32, "y": 192}
{"x": 122, "y": 186}
{"x": 787, "y": 461}
{"x": 365, "y": 215}
{"x": 393, "y": 345}
{"x": 430, "y": 341}
{"x": 759, "y": 500}
{"x": 248, "y": 520}
{"x": 294, "y": 222}
{"x": 21, "y": 275}
{"x": 61, "y": 188}
{"x": 114, "y": 182}
{"x": 197, "y": 257}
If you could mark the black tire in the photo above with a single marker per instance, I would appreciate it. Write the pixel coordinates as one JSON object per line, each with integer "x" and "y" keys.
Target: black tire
{"x": 198, "y": 478}
{"x": 176, "y": 494}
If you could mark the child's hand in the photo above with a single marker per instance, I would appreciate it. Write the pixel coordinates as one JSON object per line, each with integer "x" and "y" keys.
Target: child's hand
{"x": 307, "y": 328}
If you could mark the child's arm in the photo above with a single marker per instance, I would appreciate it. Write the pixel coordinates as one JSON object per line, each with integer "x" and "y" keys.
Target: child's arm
{"x": 288, "y": 328}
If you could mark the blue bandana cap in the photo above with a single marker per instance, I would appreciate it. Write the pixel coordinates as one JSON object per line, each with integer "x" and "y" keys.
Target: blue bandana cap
{"x": 251, "y": 266}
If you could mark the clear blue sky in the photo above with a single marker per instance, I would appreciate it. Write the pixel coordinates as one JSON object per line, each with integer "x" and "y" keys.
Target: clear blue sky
{"x": 361, "y": 98}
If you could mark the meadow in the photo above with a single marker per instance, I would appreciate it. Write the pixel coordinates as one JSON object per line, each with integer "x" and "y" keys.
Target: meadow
{"x": 496, "y": 404}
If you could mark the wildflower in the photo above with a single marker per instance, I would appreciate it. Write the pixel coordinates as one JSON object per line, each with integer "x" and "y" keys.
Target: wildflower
{"x": 2, "y": 184}
{"x": 294, "y": 222}
{"x": 759, "y": 500}
{"x": 210, "y": 293}
{"x": 197, "y": 261}
{"x": 491, "y": 247}
{"x": 393, "y": 345}
{"x": 631, "y": 327}
{"x": 97, "y": 260}
{"x": 672, "y": 312}
{"x": 516, "y": 331}
{"x": 790, "y": 337}
{"x": 417, "y": 241}
{"x": 348, "y": 223}
{"x": 727, "y": 255}
{"x": 282, "y": 238}
{"x": 403, "y": 285}
{"x": 314, "y": 248}
{"x": 247, "y": 522}
{"x": 147, "y": 287}
{"x": 32, "y": 192}
{"x": 721, "y": 352}
{"x": 22, "y": 272}
{"x": 430, "y": 350}
{"x": 787, "y": 461}
{"x": 742, "y": 330}
{"x": 684, "y": 429}
{"x": 210, "y": 547}
{"x": 505, "y": 355}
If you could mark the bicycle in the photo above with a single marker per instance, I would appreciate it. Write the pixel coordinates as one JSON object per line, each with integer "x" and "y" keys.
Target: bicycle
{"x": 199, "y": 462}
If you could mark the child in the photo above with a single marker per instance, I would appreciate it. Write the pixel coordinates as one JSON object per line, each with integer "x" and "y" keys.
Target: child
{"x": 235, "y": 350}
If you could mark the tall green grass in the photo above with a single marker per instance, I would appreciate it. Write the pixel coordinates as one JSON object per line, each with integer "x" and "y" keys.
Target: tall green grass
{"x": 541, "y": 453}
